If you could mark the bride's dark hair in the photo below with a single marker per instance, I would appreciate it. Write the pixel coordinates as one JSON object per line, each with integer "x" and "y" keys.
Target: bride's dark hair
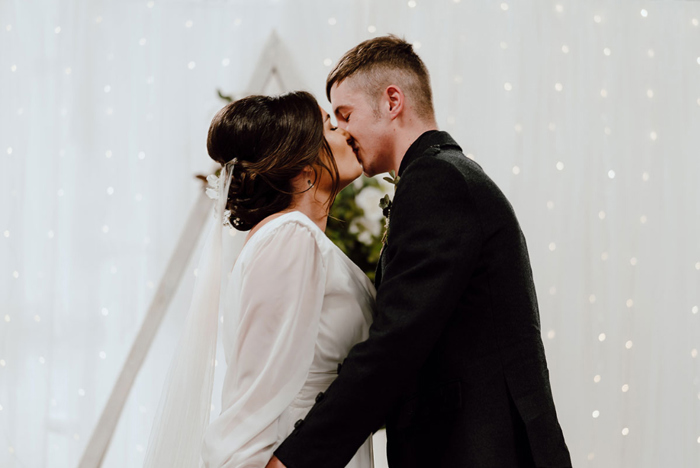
{"x": 274, "y": 139}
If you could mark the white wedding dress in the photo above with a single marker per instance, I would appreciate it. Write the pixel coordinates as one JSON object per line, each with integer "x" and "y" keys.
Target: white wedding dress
{"x": 294, "y": 306}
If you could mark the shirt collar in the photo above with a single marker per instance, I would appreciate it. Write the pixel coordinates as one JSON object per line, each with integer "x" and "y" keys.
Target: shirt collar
{"x": 428, "y": 139}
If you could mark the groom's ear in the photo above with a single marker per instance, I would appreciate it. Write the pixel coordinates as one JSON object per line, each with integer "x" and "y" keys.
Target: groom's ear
{"x": 394, "y": 100}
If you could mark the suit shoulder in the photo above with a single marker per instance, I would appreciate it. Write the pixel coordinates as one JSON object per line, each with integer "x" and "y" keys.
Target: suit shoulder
{"x": 461, "y": 162}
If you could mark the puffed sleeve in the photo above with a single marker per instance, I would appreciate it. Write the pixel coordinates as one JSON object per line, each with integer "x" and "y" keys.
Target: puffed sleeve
{"x": 282, "y": 289}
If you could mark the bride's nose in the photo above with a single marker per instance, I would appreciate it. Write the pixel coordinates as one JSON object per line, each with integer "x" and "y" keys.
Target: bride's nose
{"x": 344, "y": 133}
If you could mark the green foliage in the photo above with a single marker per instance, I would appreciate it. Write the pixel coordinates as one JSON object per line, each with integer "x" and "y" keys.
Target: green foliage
{"x": 344, "y": 211}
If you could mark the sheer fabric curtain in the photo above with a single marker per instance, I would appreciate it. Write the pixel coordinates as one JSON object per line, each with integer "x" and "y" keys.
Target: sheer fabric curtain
{"x": 587, "y": 114}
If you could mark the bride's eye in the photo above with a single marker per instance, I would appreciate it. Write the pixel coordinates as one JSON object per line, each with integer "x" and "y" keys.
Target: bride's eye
{"x": 333, "y": 129}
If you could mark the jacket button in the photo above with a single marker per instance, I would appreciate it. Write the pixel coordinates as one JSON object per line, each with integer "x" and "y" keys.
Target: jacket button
{"x": 339, "y": 366}
{"x": 298, "y": 423}
{"x": 319, "y": 397}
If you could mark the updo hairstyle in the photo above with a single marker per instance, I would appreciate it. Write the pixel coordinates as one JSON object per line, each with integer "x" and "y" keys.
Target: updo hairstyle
{"x": 274, "y": 139}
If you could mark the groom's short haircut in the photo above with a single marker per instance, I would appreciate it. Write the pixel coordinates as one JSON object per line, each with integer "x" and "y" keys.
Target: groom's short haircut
{"x": 379, "y": 62}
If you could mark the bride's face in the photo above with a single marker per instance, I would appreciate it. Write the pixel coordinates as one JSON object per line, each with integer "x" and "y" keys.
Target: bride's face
{"x": 349, "y": 167}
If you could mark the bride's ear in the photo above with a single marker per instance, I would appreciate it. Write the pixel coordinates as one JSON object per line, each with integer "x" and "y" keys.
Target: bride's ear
{"x": 309, "y": 174}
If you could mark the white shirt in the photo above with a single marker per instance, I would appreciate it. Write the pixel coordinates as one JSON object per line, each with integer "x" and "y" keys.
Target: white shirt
{"x": 295, "y": 304}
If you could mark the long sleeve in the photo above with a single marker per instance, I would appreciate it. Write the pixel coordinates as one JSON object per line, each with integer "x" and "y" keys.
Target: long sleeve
{"x": 433, "y": 245}
{"x": 274, "y": 335}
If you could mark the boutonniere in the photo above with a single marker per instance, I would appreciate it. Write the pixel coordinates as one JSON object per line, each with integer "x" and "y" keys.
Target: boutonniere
{"x": 385, "y": 203}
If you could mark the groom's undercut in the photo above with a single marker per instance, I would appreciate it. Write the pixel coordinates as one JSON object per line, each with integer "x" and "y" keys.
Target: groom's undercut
{"x": 376, "y": 63}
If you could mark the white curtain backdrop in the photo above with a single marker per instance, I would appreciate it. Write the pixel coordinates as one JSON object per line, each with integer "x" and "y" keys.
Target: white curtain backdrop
{"x": 587, "y": 115}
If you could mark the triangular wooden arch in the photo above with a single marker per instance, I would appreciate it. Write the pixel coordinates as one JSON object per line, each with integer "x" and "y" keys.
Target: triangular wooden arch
{"x": 274, "y": 67}
{"x": 273, "y": 74}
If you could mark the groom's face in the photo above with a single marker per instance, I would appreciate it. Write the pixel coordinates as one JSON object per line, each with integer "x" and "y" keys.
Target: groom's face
{"x": 366, "y": 124}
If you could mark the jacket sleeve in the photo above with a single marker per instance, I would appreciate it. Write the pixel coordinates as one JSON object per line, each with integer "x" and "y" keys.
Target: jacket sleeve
{"x": 273, "y": 336}
{"x": 433, "y": 243}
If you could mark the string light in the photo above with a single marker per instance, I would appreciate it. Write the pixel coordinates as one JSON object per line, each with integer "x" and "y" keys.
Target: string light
{"x": 372, "y": 29}
{"x": 332, "y": 21}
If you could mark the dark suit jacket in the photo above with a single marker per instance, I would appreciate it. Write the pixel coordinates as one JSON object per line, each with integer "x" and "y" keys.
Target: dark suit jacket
{"x": 454, "y": 364}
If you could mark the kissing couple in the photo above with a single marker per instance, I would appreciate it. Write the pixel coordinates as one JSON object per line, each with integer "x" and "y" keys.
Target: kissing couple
{"x": 444, "y": 349}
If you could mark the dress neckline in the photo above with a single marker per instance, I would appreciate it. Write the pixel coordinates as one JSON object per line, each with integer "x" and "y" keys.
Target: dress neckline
{"x": 265, "y": 228}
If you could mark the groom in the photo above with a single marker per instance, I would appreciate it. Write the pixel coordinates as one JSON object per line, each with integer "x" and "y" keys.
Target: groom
{"x": 454, "y": 364}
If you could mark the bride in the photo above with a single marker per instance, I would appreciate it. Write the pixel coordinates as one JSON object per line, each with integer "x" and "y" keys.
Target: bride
{"x": 294, "y": 304}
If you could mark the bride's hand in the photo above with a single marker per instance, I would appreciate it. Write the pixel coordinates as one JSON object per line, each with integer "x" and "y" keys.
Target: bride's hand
{"x": 275, "y": 463}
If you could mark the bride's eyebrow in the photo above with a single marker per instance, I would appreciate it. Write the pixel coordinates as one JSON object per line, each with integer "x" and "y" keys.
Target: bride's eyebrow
{"x": 328, "y": 116}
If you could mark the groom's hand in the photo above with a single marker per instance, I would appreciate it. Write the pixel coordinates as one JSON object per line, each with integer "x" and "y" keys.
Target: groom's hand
{"x": 275, "y": 463}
